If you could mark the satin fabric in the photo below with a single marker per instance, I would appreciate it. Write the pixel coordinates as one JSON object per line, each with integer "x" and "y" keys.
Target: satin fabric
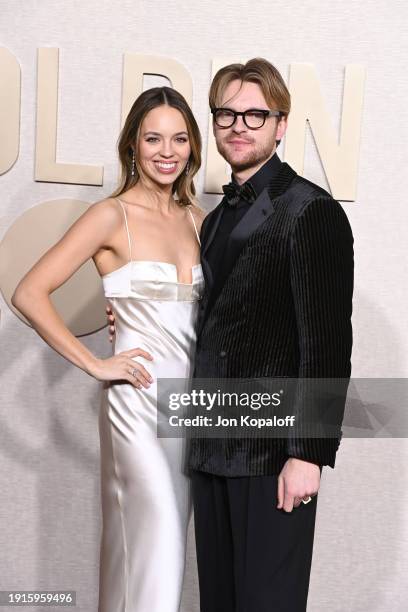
{"x": 146, "y": 499}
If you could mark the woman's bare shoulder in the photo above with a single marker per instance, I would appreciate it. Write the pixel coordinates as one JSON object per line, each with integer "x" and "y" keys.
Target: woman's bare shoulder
{"x": 199, "y": 213}
{"x": 107, "y": 212}
{"x": 109, "y": 204}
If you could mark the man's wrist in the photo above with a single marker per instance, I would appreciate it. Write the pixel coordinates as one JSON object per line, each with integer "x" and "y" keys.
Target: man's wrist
{"x": 305, "y": 461}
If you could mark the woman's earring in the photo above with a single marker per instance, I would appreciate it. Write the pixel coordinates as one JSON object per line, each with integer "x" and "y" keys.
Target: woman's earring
{"x": 187, "y": 168}
{"x": 133, "y": 164}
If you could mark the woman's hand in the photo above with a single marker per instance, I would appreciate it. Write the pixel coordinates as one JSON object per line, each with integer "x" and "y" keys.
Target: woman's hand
{"x": 122, "y": 367}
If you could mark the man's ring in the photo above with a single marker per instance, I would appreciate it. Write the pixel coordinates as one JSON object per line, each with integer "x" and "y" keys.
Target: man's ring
{"x": 134, "y": 373}
{"x": 306, "y": 501}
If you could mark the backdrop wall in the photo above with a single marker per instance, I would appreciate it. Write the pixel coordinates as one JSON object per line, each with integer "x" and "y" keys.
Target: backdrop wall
{"x": 49, "y": 474}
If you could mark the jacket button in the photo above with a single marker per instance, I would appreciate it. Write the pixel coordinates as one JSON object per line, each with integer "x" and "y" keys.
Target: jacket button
{"x": 223, "y": 354}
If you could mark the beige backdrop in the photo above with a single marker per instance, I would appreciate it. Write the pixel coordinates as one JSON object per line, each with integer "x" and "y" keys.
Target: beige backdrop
{"x": 49, "y": 473}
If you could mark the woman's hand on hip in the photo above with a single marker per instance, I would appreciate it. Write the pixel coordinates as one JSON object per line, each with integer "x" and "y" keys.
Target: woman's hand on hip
{"x": 123, "y": 366}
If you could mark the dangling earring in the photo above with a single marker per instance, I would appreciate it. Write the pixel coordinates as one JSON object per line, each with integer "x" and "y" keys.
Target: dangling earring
{"x": 133, "y": 164}
{"x": 187, "y": 168}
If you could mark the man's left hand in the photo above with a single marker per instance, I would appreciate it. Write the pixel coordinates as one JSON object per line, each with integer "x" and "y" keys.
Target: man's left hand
{"x": 111, "y": 321}
{"x": 298, "y": 480}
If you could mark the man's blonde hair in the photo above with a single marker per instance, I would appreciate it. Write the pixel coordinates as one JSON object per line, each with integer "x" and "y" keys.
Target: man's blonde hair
{"x": 257, "y": 70}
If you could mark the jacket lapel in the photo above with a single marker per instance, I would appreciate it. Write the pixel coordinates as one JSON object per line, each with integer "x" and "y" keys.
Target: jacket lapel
{"x": 210, "y": 225}
{"x": 258, "y": 213}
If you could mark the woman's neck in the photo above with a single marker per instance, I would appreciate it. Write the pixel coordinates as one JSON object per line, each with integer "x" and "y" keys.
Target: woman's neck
{"x": 157, "y": 197}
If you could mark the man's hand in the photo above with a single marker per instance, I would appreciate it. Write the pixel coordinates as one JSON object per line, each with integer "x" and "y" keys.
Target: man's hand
{"x": 298, "y": 480}
{"x": 111, "y": 322}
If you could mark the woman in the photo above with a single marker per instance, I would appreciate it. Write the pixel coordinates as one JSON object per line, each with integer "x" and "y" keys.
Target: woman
{"x": 145, "y": 245}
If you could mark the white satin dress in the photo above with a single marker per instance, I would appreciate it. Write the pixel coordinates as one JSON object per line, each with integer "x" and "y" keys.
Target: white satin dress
{"x": 145, "y": 492}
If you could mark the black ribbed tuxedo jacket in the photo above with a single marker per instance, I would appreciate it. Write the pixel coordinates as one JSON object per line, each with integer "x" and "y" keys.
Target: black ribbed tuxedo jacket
{"x": 284, "y": 310}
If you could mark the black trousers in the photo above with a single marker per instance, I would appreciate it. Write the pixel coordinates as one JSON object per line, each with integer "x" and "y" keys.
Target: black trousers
{"x": 251, "y": 556}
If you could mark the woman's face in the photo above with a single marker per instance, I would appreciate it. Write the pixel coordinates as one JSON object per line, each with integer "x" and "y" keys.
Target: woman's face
{"x": 164, "y": 147}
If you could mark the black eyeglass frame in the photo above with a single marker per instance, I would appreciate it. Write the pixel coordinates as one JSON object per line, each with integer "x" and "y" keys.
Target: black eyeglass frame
{"x": 266, "y": 113}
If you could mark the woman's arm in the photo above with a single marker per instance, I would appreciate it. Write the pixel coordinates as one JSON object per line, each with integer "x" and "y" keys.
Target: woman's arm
{"x": 92, "y": 231}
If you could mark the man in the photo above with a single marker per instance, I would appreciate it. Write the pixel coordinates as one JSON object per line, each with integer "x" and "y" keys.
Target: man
{"x": 277, "y": 255}
{"x": 278, "y": 266}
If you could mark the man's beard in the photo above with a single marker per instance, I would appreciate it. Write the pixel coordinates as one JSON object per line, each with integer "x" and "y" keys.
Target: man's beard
{"x": 253, "y": 158}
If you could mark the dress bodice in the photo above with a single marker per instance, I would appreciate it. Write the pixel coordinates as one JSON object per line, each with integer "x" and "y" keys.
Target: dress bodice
{"x": 154, "y": 311}
{"x": 152, "y": 280}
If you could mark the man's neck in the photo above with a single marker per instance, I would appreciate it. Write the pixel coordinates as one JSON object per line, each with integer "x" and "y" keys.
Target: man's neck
{"x": 241, "y": 176}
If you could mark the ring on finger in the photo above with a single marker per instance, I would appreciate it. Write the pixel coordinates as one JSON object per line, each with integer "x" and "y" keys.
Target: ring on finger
{"x": 134, "y": 373}
{"x": 307, "y": 500}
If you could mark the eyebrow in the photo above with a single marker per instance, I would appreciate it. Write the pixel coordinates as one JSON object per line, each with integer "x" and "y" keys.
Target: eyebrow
{"x": 158, "y": 134}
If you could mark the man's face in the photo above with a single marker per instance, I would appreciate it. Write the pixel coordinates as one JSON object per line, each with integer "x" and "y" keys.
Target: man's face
{"x": 242, "y": 147}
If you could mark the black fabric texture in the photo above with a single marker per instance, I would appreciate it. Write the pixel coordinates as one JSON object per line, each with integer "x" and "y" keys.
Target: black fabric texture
{"x": 283, "y": 309}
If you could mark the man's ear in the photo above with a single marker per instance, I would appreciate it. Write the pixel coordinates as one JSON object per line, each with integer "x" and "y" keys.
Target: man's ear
{"x": 213, "y": 126}
{"x": 282, "y": 126}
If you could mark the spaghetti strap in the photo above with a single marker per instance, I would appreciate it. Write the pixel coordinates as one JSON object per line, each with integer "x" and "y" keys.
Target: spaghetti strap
{"x": 127, "y": 228}
{"x": 195, "y": 227}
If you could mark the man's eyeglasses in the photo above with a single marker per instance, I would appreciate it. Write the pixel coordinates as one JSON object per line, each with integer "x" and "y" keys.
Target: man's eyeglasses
{"x": 254, "y": 118}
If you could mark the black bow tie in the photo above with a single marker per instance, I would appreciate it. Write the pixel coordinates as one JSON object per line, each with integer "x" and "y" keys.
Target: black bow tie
{"x": 234, "y": 193}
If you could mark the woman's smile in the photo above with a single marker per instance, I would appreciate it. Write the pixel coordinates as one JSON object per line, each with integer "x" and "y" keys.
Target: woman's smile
{"x": 166, "y": 167}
